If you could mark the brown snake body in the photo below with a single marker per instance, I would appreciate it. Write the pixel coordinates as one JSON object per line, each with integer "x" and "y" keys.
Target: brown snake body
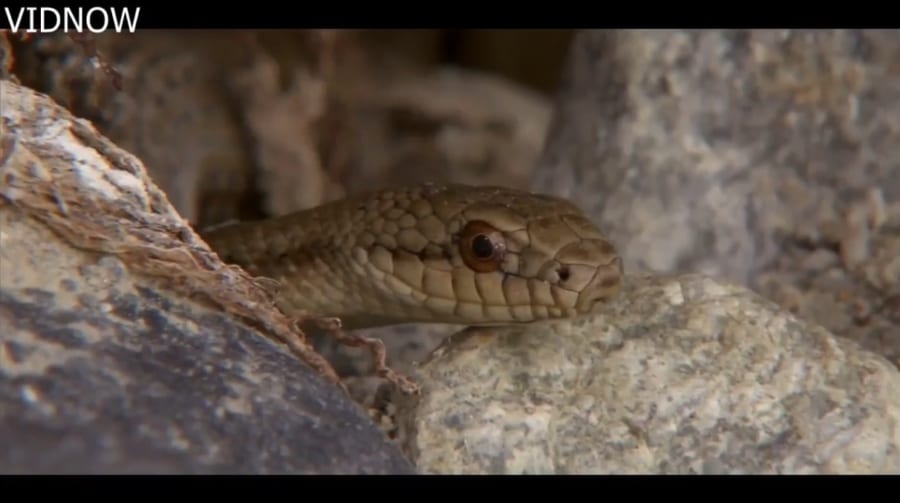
{"x": 430, "y": 253}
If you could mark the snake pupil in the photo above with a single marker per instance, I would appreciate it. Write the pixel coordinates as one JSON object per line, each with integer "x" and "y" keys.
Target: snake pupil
{"x": 482, "y": 246}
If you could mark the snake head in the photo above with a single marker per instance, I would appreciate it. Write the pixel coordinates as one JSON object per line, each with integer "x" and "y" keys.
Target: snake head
{"x": 531, "y": 257}
{"x": 489, "y": 255}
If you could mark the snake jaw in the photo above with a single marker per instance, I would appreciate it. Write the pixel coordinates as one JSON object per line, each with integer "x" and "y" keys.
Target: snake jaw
{"x": 594, "y": 272}
{"x": 604, "y": 285}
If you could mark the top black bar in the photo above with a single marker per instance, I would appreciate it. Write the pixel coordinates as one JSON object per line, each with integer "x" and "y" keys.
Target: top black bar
{"x": 347, "y": 14}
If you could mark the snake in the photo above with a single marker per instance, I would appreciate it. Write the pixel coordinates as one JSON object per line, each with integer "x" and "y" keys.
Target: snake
{"x": 430, "y": 253}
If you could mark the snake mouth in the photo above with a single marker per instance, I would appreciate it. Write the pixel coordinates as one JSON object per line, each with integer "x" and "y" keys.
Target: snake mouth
{"x": 603, "y": 286}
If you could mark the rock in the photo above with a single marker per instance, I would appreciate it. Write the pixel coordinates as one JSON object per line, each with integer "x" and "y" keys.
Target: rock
{"x": 763, "y": 157}
{"x": 173, "y": 111}
{"x": 126, "y": 347}
{"x": 680, "y": 375}
{"x": 449, "y": 125}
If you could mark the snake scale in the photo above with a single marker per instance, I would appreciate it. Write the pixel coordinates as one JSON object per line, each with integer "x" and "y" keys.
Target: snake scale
{"x": 456, "y": 254}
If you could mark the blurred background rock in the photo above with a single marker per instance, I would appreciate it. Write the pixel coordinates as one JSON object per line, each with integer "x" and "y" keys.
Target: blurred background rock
{"x": 243, "y": 124}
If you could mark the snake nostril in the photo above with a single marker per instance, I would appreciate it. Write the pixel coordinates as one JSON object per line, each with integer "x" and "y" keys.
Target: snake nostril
{"x": 563, "y": 273}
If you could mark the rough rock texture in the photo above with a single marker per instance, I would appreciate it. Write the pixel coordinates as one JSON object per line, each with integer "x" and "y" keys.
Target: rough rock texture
{"x": 107, "y": 363}
{"x": 765, "y": 157}
{"x": 681, "y": 375}
{"x": 173, "y": 110}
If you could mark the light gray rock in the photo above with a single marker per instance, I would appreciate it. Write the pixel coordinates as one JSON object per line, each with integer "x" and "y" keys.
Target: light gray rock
{"x": 680, "y": 375}
{"x": 764, "y": 157}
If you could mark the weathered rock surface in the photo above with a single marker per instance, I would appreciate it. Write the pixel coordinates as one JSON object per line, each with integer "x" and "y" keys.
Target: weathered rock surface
{"x": 107, "y": 365}
{"x": 765, "y": 157}
{"x": 680, "y": 375}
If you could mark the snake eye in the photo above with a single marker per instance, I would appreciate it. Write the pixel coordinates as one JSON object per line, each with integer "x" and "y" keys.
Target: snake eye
{"x": 482, "y": 246}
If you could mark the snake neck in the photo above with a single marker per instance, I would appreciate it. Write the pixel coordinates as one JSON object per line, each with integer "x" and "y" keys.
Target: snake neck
{"x": 318, "y": 264}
